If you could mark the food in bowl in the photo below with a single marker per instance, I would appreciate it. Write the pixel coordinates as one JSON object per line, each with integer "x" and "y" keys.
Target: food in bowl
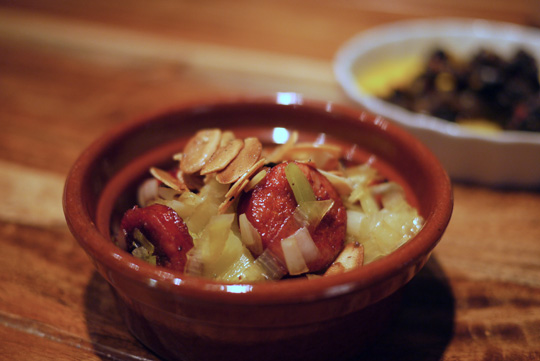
{"x": 232, "y": 210}
{"x": 488, "y": 88}
{"x": 485, "y": 92}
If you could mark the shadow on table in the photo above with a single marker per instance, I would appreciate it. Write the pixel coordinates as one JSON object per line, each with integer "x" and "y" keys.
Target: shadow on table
{"x": 424, "y": 324}
{"x": 420, "y": 331}
{"x": 110, "y": 337}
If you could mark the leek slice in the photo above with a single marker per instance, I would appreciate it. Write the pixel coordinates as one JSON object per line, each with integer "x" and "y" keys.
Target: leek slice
{"x": 311, "y": 213}
{"x": 307, "y": 246}
{"x": 298, "y": 249}
{"x": 214, "y": 237}
{"x": 232, "y": 251}
{"x": 299, "y": 184}
{"x": 272, "y": 266}
{"x": 250, "y": 236}
{"x": 294, "y": 259}
{"x": 244, "y": 270}
{"x": 146, "y": 249}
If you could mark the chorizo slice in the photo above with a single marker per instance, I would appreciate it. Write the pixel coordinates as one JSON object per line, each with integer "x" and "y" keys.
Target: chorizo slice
{"x": 270, "y": 207}
{"x": 164, "y": 228}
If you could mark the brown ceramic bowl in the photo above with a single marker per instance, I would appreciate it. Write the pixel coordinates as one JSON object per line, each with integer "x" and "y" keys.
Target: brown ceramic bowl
{"x": 189, "y": 318}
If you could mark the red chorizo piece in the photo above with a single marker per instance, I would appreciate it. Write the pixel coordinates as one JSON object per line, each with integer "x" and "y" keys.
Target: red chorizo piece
{"x": 271, "y": 204}
{"x": 164, "y": 228}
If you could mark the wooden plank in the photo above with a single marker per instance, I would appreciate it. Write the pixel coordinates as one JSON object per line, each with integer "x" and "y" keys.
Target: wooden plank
{"x": 23, "y": 339}
{"x": 81, "y": 37}
{"x": 301, "y": 27}
{"x": 51, "y": 291}
{"x": 493, "y": 236}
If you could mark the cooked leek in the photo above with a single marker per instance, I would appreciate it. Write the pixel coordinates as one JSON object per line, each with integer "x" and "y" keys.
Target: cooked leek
{"x": 250, "y": 236}
{"x": 299, "y": 183}
{"x": 144, "y": 249}
{"x": 312, "y": 212}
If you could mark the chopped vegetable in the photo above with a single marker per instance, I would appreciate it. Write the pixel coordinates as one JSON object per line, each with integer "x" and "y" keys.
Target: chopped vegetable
{"x": 311, "y": 213}
{"x": 146, "y": 249}
{"x": 250, "y": 237}
{"x": 294, "y": 259}
{"x": 237, "y": 217}
{"x": 300, "y": 185}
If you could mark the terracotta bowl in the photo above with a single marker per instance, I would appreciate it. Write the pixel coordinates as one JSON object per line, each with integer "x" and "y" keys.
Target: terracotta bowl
{"x": 189, "y": 318}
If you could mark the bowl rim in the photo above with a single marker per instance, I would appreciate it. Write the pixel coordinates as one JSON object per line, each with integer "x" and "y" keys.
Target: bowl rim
{"x": 104, "y": 251}
{"x": 422, "y": 30}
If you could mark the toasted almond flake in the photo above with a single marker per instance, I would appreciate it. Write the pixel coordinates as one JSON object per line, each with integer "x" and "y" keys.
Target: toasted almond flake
{"x": 230, "y": 197}
{"x": 332, "y": 149}
{"x": 351, "y": 257}
{"x": 168, "y": 179}
{"x": 223, "y": 156}
{"x": 248, "y": 156}
{"x": 256, "y": 180}
{"x": 178, "y": 156}
{"x": 341, "y": 184}
{"x": 199, "y": 149}
{"x": 226, "y": 137}
{"x": 191, "y": 181}
{"x": 325, "y": 155}
{"x": 239, "y": 186}
{"x": 277, "y": 154}
{"x": 235, "y": 189}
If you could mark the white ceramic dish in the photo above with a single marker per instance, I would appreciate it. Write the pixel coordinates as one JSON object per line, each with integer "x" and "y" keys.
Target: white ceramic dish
{"x": 506, "y": 158}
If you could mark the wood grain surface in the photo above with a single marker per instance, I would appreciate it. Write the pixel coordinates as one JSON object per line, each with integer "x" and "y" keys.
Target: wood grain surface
{"x": 70, "y": 70}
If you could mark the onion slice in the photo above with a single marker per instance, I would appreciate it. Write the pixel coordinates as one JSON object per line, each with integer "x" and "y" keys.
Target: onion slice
{"x": 298, "y": 249}
{"x": 311, "y": 213}
{"x": 307, "y": 246}
{"x": 194, "y": 262}
{"x": 272, "y": 266}
{"x": 294, "y": 259}
{"x": 250, "y": 236}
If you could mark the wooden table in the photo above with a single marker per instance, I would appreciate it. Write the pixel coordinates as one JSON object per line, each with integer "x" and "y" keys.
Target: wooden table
{"x": 70, "y": 70}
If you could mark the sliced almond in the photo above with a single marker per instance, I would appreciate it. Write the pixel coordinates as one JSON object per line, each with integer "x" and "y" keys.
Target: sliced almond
{"x": 192, "y": 181}
{"x": 199, "y": 149}
{"x": 178, "y": 157}
{"x": 277, "y": 154}
{"x": 232, "y": 197}
{"x": 239, "y": 186}
{"x": 223, "y": 156}
{"x": 351, "y": 257}
{"x": 325, "y": 156}
{"x": 299, "y": 148}
{"x": 226, "y": 137}
{"x": 168, "y": 179}
{"x": 247, "y": 157}
{"x": 255, "y": 180}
